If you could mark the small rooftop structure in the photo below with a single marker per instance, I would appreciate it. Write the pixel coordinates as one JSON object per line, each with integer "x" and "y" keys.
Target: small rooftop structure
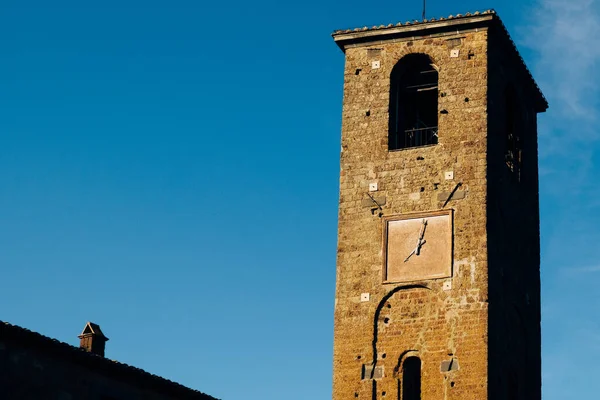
{"x": 92, "y": 339}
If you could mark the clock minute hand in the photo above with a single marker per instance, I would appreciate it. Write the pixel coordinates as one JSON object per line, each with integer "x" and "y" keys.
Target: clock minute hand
{"x": 411, "y": 253}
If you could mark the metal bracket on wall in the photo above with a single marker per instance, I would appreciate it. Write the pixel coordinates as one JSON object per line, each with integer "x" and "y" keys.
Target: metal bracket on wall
{"x": 376, "y": 208}
{"x": 458, "y": 185}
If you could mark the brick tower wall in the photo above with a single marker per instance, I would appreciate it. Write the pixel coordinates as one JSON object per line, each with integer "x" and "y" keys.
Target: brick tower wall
{"x": 419, "y": 318}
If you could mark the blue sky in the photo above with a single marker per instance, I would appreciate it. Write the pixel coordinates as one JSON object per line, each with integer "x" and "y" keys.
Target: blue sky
{"x": 169, "y": 170}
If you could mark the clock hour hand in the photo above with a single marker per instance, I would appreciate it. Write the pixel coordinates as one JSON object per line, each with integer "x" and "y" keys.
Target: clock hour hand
{"x": 422, "y": 234}
{"x": 418, "y": 249}
{"x": 420, "y": 241}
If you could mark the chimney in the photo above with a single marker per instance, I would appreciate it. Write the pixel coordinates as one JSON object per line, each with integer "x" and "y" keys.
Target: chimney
{"x": 92, "y": 339}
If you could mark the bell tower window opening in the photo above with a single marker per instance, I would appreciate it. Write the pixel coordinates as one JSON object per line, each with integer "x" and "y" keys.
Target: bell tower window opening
{"x": 413, "y": 103}
{"x": 513, "y": 153}
{"x": 411, "y": 379}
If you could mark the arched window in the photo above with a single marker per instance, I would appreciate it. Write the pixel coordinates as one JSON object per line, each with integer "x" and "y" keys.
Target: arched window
{"x": 411, "y": 379}
{"x": 413, "y": 103}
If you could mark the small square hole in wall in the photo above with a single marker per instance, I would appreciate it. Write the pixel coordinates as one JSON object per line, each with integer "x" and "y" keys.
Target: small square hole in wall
{"x": 376, "y": 64}
{"x": 449, "y": 175}
{"x": 454, "y": 53}
{"x": 373, "y": 187}
{"x": 365, "y": 297}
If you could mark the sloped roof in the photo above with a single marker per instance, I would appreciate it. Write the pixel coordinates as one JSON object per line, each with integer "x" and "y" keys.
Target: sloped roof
{"x": 415, "y": 22}
{"x": 100, "y": 364}
{"x": 93, "y": 329}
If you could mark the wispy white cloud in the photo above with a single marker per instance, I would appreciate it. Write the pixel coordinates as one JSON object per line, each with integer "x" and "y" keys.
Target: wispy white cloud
{"x": 566, "y": 36}
{"x": 570, "y": 363}
{"x": 582, "y": 270}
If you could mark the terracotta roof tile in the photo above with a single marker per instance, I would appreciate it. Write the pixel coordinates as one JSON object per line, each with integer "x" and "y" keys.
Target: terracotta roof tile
{"x": 417, "y": 22}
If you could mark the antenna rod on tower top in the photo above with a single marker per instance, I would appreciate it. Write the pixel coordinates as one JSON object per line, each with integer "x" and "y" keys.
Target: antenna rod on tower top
{"x": 424, "y": 8}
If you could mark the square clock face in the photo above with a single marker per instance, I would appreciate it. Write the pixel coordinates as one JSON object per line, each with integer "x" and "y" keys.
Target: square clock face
{"x": 417, "y": 247}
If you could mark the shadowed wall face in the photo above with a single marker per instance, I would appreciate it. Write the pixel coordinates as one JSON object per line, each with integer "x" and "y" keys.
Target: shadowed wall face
{"x": 513, "y": 231}
{"x": 412, "y": 314}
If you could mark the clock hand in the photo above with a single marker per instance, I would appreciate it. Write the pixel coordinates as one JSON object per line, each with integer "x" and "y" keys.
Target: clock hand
{"x": 419, "y": 246}
{"x": 420, "y": 241}
{"x": 412, "y": 252}
{"x": 423, "y": 228}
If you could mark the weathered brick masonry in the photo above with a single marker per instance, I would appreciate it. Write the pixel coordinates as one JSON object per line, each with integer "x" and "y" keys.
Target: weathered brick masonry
{"x": 476, "y": 332}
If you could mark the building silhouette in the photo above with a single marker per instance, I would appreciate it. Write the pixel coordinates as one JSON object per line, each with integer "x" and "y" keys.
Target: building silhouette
{"x": 36, "y": 367}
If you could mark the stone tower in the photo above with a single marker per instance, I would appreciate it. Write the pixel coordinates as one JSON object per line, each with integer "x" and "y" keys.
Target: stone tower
{"x": 438, "y": 289}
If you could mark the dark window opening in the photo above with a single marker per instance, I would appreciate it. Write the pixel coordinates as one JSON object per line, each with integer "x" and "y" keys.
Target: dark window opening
{"x": 413, "y": 103}
{"x": 513, "y": 153}
{"x": 411, "y": 379}
{"x": 513, "y": 387}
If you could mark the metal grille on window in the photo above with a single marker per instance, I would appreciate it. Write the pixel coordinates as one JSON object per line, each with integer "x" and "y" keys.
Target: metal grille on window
{"x": 413, "y": 103}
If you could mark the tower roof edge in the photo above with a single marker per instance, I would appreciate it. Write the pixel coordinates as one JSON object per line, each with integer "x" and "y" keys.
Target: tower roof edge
{"x": 341, "y": 35}
{"x": 433, "y": 27}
